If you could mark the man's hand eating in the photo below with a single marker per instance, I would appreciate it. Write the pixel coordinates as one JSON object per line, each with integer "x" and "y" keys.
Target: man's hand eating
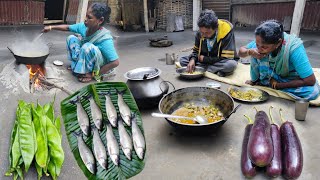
{"x": 191, "y": 66}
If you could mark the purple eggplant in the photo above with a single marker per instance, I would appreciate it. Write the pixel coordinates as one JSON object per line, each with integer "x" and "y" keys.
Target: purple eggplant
{"x": 248, "y": 169}
{"x": 274, "y": 169}
{"x": 292, "y": 155}
{"x": 260, "y": 147}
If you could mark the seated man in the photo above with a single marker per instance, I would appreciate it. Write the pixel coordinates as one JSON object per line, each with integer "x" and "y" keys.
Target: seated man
{"x": 214, "y": 47}
{"x": 279, "y": 60}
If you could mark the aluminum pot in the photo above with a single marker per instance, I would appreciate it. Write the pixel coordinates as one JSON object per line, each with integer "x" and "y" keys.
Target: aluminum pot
{"x": 201, "y": 96}
{"x": 146, "y": 86}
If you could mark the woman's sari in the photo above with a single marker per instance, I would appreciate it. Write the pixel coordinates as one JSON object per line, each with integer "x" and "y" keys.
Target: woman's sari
{"x": 277, "y": 67}
{"x": 84, "y": 55}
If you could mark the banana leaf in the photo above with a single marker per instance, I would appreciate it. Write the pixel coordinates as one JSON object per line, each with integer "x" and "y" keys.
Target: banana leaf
{"x": 126, "y": 168}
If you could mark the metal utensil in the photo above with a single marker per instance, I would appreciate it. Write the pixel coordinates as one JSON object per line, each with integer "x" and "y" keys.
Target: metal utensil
{"x": 199, "y": 119}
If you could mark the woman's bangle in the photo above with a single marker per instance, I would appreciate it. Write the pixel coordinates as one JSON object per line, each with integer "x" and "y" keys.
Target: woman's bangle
{"x": 50, "y": 28}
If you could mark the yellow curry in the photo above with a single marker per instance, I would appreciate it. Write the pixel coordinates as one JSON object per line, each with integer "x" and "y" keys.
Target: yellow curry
{"x": 246, "y": 95}
{"x": 192, "y": 73}
{"x": 190, "y": 110}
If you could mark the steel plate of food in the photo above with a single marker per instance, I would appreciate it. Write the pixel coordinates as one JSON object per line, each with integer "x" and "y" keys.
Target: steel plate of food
{"x": 197, "y": 73}
{"x": 248, "y": 94}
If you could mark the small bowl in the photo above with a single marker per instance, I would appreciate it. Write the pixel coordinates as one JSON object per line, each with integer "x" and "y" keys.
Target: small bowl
{"x": 184, "y": 74}
{"x": 213, "y": 85}
{"x": 58, "y": 63}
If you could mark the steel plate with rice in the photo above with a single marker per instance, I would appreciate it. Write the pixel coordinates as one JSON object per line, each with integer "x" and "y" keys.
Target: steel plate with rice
{"x": 196, "y": 74}
{"x": 248, "y": 94}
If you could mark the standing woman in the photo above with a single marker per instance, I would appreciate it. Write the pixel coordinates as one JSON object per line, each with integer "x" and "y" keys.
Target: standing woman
{"x": 93, "y": 55}
{"x": 279, "y": 60}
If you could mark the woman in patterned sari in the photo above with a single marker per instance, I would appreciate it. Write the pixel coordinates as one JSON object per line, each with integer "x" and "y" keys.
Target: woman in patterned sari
{"x": 279, "y": 60}
{"x": 93, "y": 54}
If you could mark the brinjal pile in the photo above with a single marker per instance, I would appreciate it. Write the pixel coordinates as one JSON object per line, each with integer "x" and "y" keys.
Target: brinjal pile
{"x": 265, "y": 145}
{"x": 248, "y": 169}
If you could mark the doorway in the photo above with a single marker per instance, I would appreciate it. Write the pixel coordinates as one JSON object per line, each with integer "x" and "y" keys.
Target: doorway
{"x": 54, "y": 11}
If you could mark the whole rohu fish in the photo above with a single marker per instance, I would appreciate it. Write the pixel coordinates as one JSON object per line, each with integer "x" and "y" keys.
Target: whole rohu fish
{"x": 124, "y": 108}
{"x": 111, "y": 110}
{"x": 112, "y": 145}
{"x": 99, "y": 150}
{"x": 139, "y": 143}
{"x": 125, "y": 140}
{"x": 86, "y": 154}
{"x": 95, "y": 113}
{"x": 83, "y": 119}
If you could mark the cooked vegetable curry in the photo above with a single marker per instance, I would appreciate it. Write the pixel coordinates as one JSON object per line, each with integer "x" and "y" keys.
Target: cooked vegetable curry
{"x": 246, "y": 95}
{"x": 211, "y": 112}
{"x": 192, "y": 73}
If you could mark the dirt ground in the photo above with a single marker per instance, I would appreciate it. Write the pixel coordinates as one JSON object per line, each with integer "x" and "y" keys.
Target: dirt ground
{"x": 169, "y": 155}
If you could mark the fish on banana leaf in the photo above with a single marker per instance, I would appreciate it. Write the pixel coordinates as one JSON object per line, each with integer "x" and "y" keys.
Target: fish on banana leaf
{"x": 86, "y": 154}
{"x": 82, "y": 117}
{"x": 110, "y": 109}
{"x": 125, "y": 140}
{"x": 124, "y": 108}
{"x": 99, "y": 150}
{"x": 112, "y": 145}
{"x": 139, "y": 143}
{"x": 96, "y": 113}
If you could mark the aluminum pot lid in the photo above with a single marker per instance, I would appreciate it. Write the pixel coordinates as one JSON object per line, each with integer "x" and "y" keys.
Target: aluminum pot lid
{"x": 142, "y": 73}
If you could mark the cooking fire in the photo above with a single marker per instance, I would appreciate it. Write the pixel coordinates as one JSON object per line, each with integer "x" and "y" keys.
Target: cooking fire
{"x": 36, "y": 74}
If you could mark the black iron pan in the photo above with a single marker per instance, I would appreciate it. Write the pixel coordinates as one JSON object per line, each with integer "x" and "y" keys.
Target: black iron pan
{"x": 29, "y": 60}
{"x": 199, "y": 96}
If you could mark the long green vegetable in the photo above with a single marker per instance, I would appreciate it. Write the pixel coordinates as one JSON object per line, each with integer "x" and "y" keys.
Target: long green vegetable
{"x": 14, "y": 151}
{"x": 27, "y": 139}
{"x": 55, "y": 148}
{"x": 41, "y": 133}
{"x": 36, "y": 136}
{"x": 16, "y": 154}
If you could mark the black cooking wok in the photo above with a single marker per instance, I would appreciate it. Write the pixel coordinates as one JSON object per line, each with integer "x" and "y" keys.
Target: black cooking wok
{"x": 29, "y": 60}
{"x": 201, "y": 96}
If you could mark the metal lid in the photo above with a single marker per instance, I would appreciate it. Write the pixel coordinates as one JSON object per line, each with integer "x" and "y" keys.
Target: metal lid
{"x": 142, "y": 73}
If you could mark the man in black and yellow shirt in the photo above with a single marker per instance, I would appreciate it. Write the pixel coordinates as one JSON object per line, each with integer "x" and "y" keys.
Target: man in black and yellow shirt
{"x": 214, "y": 46}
